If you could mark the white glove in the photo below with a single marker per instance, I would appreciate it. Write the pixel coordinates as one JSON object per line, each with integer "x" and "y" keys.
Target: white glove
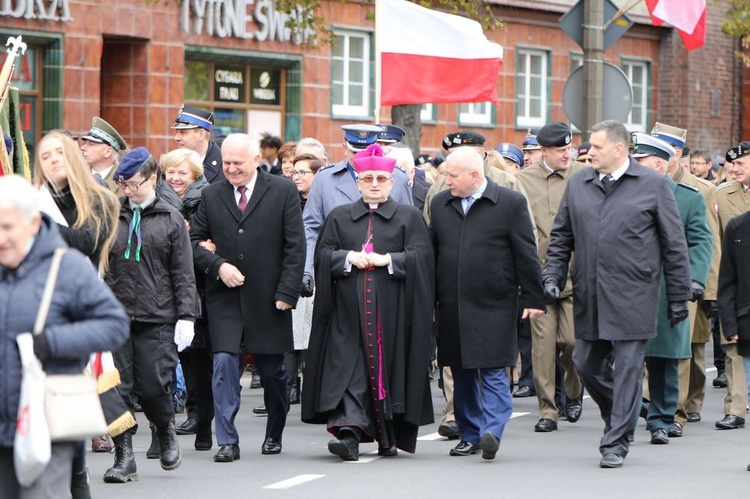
{"x": 184, "y": 331}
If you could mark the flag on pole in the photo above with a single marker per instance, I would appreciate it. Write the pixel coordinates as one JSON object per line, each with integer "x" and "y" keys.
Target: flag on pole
{"x": 433, "y": 57}
{"x": 687, "y": 16}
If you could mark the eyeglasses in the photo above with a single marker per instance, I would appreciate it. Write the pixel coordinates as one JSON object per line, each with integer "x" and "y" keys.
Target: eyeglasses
{"x": 369, "y": 179}
{"x": 300, "y": 173}
{"x": 131, "y": 187}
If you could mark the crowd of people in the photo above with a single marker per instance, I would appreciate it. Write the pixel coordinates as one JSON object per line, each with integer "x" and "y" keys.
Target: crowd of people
{"x": 604, "y": 267}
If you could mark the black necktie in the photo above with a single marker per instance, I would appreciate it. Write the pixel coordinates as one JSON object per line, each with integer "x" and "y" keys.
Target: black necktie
{"x": 608, "y": 182}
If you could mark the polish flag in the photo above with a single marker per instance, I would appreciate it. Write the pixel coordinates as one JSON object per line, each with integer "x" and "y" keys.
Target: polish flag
{"x": 687, "y": 16}
{"x": 433, "y": 57}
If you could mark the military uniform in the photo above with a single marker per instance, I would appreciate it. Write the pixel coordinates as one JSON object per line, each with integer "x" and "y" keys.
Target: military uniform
{"x": 693, "y": 371}
{"x": 733, "y": 201}
{"x": 103, "y": 133}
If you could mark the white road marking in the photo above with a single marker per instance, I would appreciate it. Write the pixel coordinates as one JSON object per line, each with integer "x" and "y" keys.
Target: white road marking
{"x": 367, "y": 458}
{"x": 293, "y": 482}
{"x": 435, "y": 436}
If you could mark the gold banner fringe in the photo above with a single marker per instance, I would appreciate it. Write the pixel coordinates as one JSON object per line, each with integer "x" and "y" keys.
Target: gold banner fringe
{"x": 107, "y": 381}
{"x": 121, "y": 424}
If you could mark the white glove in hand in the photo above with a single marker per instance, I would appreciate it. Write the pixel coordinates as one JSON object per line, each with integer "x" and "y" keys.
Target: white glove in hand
{"x": 184, "y": 331}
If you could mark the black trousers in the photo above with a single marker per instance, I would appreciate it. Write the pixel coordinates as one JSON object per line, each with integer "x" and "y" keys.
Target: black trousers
{"x": 146, "y": 362}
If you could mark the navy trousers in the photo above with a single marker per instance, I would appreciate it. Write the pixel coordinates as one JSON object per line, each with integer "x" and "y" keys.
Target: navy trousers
{"x": 481, "y": 401}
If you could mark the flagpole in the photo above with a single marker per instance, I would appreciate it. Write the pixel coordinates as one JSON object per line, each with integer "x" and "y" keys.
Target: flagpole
{"x": 378, "y": 59}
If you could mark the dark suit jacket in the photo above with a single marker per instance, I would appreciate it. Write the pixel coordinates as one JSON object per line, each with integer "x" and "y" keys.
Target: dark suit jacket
{"x": 267, "y": 244}
{"x": 212, "y": 164}
{"x": 734, "y": 282}
{"x": 482, "y": 260}
{"x": 419, "y": 189}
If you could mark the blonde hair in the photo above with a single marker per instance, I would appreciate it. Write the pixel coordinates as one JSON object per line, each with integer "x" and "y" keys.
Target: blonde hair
{"x": 177, "y": 157}
{"x": 496, "y": 160}
{"x": 96, "y": 205}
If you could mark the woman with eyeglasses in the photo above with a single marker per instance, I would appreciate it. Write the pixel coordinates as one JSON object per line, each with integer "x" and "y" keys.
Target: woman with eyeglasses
{"x": 90, "y": 213}
{"x": 304, "y": 168}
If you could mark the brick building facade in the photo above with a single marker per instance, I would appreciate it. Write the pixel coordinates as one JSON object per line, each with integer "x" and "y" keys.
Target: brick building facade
{"x": 134, "y": 62}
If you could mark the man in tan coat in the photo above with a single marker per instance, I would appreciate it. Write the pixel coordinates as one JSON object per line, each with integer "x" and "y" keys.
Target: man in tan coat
{"x": 552, "y": 335}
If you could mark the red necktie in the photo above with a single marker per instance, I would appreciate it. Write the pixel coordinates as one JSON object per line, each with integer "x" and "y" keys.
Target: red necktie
{"x": 243, "y": 199}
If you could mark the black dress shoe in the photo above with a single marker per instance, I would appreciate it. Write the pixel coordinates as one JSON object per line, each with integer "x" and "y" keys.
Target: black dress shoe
{"x": 449, "y": 430}
{"x": 260, "y": 410}
{"x": 611, "y": 461}
{"x": 489, "y": 444}
{"x": 188, "y": 427}
{"x": 388, "y": 451}
{"x": 720, "y": 381}
{"x": 545, "y": 426}
{"x": 346, "y": 446}
{"x": 573, "y": 410}
{"x": 464, "y": 448}
{"x": 730, "y": 422}
{"x": 659, "y": 436}
{"x": 675, "y": 431}
{"x": 524, "y": 391}
{"x": 227, "y": 453}
{"x": 271, "y": 446}
{"x": 693, "y": 417}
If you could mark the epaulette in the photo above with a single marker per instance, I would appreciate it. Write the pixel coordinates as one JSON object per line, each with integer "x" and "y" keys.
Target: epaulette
{"x": 326, "y": 166}
{"x": 724, "y": 185}
{"x": 690, "y": 187}
{"x": 705, "y": 182}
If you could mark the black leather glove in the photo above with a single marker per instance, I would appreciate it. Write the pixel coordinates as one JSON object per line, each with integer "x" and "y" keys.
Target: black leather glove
{"x": 697, "y": 289}
{"x": 41, "y": 346}
{"x": 551, "y": 289}
{"x": 711, "y": 308}
{"x": 677, "y": 311}
{"x": 308, "y": 286}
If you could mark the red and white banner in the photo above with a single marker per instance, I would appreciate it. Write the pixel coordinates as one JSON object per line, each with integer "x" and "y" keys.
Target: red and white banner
{"x": 687, "y": 16}
{"x": 433, "y": 57}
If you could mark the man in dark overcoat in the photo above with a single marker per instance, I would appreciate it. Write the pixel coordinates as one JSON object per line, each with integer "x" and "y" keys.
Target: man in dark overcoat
{"x": 621, "y": 220}
{"x": 253, "y": 280}
{"x": 485, "y": 250}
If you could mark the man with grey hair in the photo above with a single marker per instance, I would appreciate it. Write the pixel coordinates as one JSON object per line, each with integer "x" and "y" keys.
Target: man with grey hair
{"x": 311, "y": 145}
{"x": 621, "y": 220}
{"x": 253, "y": 280}
{"x": 405, "y": 161}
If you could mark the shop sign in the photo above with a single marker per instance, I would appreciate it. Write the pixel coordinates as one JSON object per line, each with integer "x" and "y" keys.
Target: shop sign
{"x": 49, "y": 10}
{"x": 265, "y": 85}
{"x": 229, "y": 84}
{"x": 244, "y": 19}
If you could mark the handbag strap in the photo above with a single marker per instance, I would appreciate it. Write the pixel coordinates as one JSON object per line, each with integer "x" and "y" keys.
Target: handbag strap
{"x": 49, "y": 289}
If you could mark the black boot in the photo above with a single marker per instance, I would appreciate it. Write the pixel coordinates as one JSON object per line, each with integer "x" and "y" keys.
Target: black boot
{"x": 79, "y": 485}
{"x": 124, "y": 469}
{"x": 170, "y": 456}
{"x": 153, "y": 449}
{"x": 203, "y": 439}
{"x": 294, "y": 391}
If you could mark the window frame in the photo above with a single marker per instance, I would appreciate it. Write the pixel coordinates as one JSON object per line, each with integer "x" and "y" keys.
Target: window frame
{"x": 346, "y": 110}
{"x": 485, "y": 118}
{"x": 626, "y": 64}
{"x": 524, "y": 121}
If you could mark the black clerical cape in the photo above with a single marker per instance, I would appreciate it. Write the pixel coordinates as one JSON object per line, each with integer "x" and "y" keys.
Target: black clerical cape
{"x": 385, "y": 318}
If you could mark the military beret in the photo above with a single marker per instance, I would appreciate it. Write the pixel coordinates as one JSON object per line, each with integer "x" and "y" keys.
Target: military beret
{"x": 529, "y": 142}
{"x": 670, "y": 134}
{"x": 131, "y": 163}
{"x": 372, "y": 159}
{"x": 358, "y": 137}
{"x": 192, "y": 117}
{"x": 555, "y": 134}
{"x": 511, "y": 152}
{"x": 103, "y": 133}
{"x": 391, "y": 134}
{"x": 422, "y": 159}
{"x": 583, "y": 149}
{"x": 646, "y": 145}
{"x": 462, "y": 138}
{"x": 740, "y": 150}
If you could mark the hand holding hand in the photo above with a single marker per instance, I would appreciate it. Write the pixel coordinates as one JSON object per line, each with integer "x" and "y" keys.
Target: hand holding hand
{"x": 378, "y": 260}
{"x": 677, "y": 311}
{"x": 230, "y": 275}
{"x": 358, "y": 259}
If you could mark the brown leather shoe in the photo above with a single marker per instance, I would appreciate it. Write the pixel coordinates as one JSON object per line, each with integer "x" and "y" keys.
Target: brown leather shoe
{"x": 101, "y": 443}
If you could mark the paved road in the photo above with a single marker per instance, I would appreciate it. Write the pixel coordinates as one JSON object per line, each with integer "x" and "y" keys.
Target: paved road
{"x": 562, "y": 464}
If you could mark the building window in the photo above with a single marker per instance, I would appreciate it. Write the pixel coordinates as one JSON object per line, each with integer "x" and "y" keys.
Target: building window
{"x": 477, "y": 113}
{"x": 532, "y": 81}
{"x": 638, "y": 74}
{"x": 428, "y": 114}
{"x": 350, "y": 74}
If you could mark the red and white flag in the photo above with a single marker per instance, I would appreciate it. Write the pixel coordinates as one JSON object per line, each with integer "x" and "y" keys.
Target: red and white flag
{"x": 434, "y": 57}
{"x": 687, "y": 16}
